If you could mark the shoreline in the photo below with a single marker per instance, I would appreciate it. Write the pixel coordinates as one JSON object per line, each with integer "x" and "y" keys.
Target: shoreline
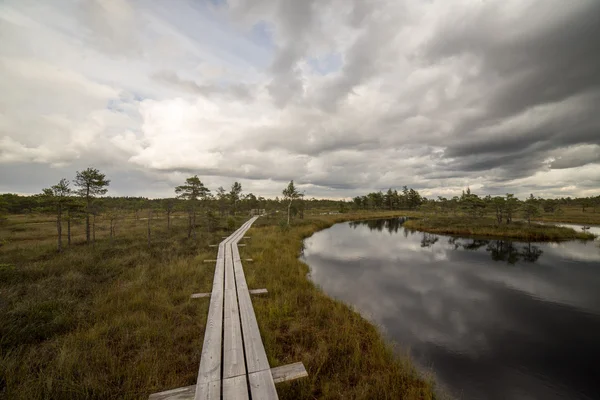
{"x": 346, "y": 355}
{"x": 487, "y": 228}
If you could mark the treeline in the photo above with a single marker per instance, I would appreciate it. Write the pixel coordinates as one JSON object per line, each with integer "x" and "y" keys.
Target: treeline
{"x": 505, "y": 208}
{"x": 81, "y": 199}
{"x": 133, "y": 207}
{"x": 471, "y": 203}
{"x": 391, "y": 200}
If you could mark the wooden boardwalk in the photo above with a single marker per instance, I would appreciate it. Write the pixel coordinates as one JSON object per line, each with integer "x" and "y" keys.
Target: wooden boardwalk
{"x": 233, "y": 364}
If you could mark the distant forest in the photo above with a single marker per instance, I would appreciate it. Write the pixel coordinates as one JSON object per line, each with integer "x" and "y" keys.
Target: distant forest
{"x": 504, "y": 207}
{"x": 234, "y": 200}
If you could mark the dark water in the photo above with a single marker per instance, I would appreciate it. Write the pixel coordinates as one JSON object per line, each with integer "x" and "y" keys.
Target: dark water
{"x": 493, "y": 319}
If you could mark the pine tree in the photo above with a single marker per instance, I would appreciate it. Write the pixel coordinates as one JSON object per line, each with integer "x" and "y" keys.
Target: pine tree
{"x": 192, "y": 191}
{"x": 91, "y": 183}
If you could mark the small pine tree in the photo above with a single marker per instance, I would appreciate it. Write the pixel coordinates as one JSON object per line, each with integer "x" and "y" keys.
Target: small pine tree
{"x": 290, "y": 193}
{"x": 91, "y": 183}
{"x": 58, "y": 195}
{"x": 531, "y": 208}
{"x": 192, "y": 191}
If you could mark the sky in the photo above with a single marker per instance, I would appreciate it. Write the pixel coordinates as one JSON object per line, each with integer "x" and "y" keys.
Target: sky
{"x": 344, "y": 97}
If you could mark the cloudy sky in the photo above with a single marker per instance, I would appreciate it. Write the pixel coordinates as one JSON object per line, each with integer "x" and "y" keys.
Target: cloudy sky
{"x": 342, "y": 96}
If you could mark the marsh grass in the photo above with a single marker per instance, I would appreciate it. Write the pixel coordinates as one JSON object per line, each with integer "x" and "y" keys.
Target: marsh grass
{"x": 574, "y": 215}
{"x": 114, "y": 320}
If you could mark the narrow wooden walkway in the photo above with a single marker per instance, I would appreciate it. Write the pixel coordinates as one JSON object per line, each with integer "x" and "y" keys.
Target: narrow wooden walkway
{"x": 233, "y": 364}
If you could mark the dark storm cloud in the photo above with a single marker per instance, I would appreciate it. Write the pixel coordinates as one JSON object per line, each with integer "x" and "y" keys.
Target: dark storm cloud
{"x": 577, "y": 157}
{"x": 552, "y": 63}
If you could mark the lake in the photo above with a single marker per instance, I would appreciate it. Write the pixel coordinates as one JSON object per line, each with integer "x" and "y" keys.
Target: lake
{"x": 492, "y": 319}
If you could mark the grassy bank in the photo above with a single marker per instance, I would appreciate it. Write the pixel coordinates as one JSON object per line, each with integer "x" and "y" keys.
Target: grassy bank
{"x": 115, "y": 321}
{"x": 573, "y": 215}
{"x": 488, "y": 227}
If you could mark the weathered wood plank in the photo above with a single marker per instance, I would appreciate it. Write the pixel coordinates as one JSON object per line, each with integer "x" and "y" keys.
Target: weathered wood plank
{"x": 288, "y": 372}
{"x": 258, "y": 291}
{"x": 233, "y": 349}
{"x": 262, "y": 385}
{"x": 221, "y": 252}
{"x": 210, "y": 261}
{"x": 235, "y": 388}
{"x": 229, "y": 276}
{"x": 219, "y": 276}
{"x": 208, "y": 391}
{"x": 210, "y": 359}
{"x": 182, "y": 393}
{"x": 199, "y": 295}
{"x": 256, "y": 358}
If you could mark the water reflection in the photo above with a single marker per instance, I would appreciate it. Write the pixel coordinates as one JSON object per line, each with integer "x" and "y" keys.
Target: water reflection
{"x": 391, "y": 225}
{"x": 500, "y": 250}
{"x": 487, "y": 331}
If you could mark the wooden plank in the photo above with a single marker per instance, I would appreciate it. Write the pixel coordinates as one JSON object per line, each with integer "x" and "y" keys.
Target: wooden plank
{"x": 256, "y": 358}
{"x": 210, "y": 261}
{"x": 262, "y": 385}
{"x": 221, "y": 252}
{"x": 210, "y": 360}
{"x": 219, "y": 277}
{"x": 182, "y": 393}
{"x": 236, "y": 257}
{"x": 233, "y": 349}
{"x": 241, "y": 245}
{"x": 235, "y": 388}
{"x": 288, "y": 372}
{"x": 248, "y": 259}
{"x": 258, "y": 291}
{"x": 213, "y": 245}
{"x": 208, "y": 391}
{"x": 229, "y": 276}
{"x": 199, "y": 295}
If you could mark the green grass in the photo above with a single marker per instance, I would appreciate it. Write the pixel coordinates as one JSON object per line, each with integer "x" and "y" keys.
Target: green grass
{"x": 488, "y": 227}
{"x": 115, "y": 321}
{"x": 573, "y": 215}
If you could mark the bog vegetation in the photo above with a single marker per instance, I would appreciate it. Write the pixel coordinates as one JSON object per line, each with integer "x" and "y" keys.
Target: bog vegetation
{"x": 95, "y": 291}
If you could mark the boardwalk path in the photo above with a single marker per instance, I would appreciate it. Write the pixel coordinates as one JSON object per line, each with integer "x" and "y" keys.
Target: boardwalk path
{"x": 234, "y": 363}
